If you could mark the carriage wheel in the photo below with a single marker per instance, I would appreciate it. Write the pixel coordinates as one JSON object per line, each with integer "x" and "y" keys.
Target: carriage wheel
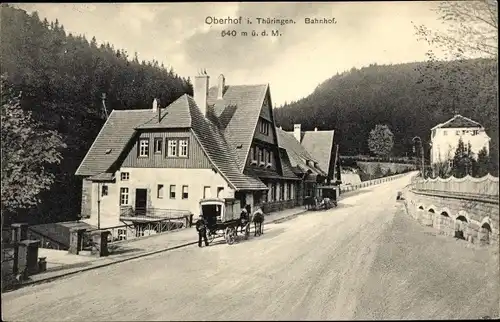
{"x": 247, "y": 231}
{"x": 211, "y": 236}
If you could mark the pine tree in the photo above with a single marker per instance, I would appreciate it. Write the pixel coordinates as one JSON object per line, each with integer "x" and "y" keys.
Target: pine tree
{"x": 483, "y": 163}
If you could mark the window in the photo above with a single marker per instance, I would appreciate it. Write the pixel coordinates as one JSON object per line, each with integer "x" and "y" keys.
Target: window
{"x": 104, "y": 191}
{"x": 264, "y": 127}
{"x": 172, "y": 191}
{"x": 270, "y": 158}
{"x": 288, "y": 191}
{"x": 475, "y": 132}
{"x": 158, "y": 145}
{"x": 183, "y": 147}
{"x": 445, "y": 133}
{"x": 254, "y": 153}
{"x": 273, "y": 192}
{"x": 206, "y": 192}
{"x": 123, "y": 196}
{"x": 220, "y": 190}
{"x": 144, "y": 147}
{"x": 457, "y": 132}
{"x": 262, "y": 157}
{"x": 122, "y": 234}
{"x": 282, "y": 191}
{"x": 124, "y": 176}
{"x": 184, "y": 192}
{"x": 172, "y": 148}
{"x": 160, "y": 191}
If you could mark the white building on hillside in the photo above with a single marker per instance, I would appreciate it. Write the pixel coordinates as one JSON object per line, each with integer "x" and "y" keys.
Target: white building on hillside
{"x": 445, "y": 137}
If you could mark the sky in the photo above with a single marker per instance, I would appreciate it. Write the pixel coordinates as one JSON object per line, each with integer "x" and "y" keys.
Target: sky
{"x": 294, "y": 63}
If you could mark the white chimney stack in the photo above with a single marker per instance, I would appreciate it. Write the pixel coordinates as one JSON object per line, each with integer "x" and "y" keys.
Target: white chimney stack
{"x": 200, "y": 91}
{"x": 297, "y": 131}
{"x": 220, "y": 86}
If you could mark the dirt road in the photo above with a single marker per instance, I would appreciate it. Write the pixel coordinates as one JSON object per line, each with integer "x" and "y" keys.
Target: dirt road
{"x": 362, "y": 260}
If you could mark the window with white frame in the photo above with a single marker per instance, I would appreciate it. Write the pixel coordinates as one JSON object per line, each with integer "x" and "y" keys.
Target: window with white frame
{"x": 185, "y": 192}
{"x": 254, "y": 153}
{"x": 270, "y": 158}
{"x": 264, "y": 127}
{"x": 288, "y": 191}
{"x": 172, "y": 148}
{"x": 183, "y": 148}
{"x": 262, "y": 156}
{"x": 445, "y": 133}
{"x": 282, "y": 191}
{"x": 273, "y": 191}
{"x": 124, "y": 176}
{"x": 124, "y": 200}
{"x": 144, "y": 147}
{"x": 159, "y": 191}
{"x": 122, "y": 234}
{"x": 172, "y": 191}
{"x": 158, "y": 145}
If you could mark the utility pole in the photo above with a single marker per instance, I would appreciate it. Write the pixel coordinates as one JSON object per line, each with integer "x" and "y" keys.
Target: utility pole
{"x": 99, "y": 188}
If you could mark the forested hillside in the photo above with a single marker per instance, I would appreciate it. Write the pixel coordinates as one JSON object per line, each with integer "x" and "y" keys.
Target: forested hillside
{"x": 409, "y": 98}
{"x": 61, "y": 78}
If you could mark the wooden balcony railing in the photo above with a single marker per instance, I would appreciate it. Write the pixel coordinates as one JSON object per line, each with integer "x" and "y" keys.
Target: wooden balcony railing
{"x": 129, "y": 211}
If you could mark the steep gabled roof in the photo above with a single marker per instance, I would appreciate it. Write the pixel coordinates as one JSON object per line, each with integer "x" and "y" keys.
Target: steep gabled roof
{"x": 458, "y": 121}
{"x": 319, "y": 144}
{"x": 120, "y": 127}
{"x": 238, "y": 112}
{"x": 111, "y": 140}
{"x": 297, "y": 154}
{"x": 219, "y": 152}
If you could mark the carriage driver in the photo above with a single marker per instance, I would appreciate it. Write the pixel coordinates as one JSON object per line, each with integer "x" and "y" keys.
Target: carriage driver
{"x": 201, "y": 227}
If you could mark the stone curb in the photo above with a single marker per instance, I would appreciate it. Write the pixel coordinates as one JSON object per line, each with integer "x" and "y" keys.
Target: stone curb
{"x": 49, "y": 279}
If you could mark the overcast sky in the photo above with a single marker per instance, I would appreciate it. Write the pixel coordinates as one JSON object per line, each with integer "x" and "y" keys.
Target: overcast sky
{"x": 294, "y": 63}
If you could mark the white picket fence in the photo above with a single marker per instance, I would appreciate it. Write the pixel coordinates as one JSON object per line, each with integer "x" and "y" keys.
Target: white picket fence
{"x": 485, "y": 186}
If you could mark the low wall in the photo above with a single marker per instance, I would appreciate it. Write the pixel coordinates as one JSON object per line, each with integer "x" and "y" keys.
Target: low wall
{"x": 450, "y": 218}
{"x": 368, "y": 183}
{"x": 370, "y": 167}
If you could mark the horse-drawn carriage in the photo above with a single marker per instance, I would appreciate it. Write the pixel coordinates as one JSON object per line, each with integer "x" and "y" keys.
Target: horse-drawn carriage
{"x": 223, "y": 219}
{"x": 329, "y": 198}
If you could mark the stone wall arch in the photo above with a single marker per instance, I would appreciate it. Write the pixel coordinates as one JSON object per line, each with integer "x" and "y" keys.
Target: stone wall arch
{"x": 462, "y": 221}
{"x": 445, "y": 221}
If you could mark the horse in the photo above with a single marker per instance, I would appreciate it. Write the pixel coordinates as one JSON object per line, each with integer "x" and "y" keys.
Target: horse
{"x": 309, "y": 202}
{"x": 258, "y": 221}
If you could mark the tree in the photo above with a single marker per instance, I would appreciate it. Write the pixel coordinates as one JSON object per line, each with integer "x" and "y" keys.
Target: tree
{"x": 463, "y": 161}
{"x": 483, "y": 163}
{"x": 472, "y": 28}
{"x": 381, "y": 140}
{"x": 26, "y": 152}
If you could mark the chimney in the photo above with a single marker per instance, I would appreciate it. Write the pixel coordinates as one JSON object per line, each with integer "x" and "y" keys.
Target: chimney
{"x": 221, "y": 83}
{"x": 297, "y": 131}
{"x": 200, "y": 91}
{"x": 315, "y": 129}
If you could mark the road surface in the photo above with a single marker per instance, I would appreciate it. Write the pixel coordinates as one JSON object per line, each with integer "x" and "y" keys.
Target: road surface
{"x": 363, "y": 260}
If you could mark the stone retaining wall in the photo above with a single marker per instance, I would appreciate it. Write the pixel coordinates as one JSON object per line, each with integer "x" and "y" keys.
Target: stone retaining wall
{"x": 452, "y": 219}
